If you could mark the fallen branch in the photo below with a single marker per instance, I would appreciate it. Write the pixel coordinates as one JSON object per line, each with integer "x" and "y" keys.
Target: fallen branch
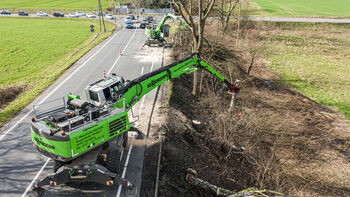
{"x": 206, "y": 185}
{"x": 251, "y": 192}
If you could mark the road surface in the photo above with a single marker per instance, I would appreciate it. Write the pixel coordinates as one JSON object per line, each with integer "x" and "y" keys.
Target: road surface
{"x": 21, "y": 165}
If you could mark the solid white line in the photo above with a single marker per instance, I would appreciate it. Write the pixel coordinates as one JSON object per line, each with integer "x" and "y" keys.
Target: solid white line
{"x": 124, "y": 170}
{"x": 36, "y": 176}
{"x": 116, "y": 61}
{"x": 58, "y": 86}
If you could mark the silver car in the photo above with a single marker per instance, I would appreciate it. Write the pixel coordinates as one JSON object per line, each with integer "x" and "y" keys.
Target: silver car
{"x": 80, "y": 14}
{"x": 90, "y": 15}
{"x": 42, "y": 14}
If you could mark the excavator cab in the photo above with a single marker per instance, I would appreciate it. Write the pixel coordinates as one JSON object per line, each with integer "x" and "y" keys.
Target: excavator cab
{"x": 165, "y": 31}
{"x": 104, "y": 90}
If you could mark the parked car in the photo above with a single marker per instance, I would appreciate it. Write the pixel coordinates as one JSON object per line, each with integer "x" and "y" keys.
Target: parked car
{"x": 99, "y": 14}
{"x": 90, "y": 15}
{"x": 80, "y": 14}
{"x": 72, "y": 15}
{"x": 58, "y": 14}
{"x": 143, "y": 25}
{"x": 42, "y": 14}
{"x": 129, "y": 25}
{"x": 110, "y": 16}
{"x": 22, "y": 13}
{"x": 128, "y": 18}
{"x": 5, "y": 12}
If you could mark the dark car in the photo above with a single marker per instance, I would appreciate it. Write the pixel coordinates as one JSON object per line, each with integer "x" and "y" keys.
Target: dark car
{"x": 5, "y": 12}
{"x": 58, "y": 14}
{"x": 149, "y": 18}
{"x": 143, "y": 25}
{"x": 22, "y": 13}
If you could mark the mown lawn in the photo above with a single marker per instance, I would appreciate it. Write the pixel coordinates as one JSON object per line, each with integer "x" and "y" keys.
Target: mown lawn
{"x": 34, "y": 52}
{"x": 338, "y": 8}
{"x": 315, "y": 60}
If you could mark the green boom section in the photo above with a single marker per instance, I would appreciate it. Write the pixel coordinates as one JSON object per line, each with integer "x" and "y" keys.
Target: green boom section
{"x": 139, "y": 87}
{"x": 85, "y": 139}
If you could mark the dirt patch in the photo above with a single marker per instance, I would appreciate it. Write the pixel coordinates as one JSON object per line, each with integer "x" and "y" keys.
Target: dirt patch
{"x": 8, "y": 94}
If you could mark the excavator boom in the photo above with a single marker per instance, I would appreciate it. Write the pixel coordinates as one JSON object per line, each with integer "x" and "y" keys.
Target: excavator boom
{"x": 136, "y": 89}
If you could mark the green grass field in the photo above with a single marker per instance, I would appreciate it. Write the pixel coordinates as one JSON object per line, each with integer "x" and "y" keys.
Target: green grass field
{"x": 337, "y": 8}
{"x": 53, "y": 4}
{"x": 34, "y": 52}
{"x": 316, "y": 64}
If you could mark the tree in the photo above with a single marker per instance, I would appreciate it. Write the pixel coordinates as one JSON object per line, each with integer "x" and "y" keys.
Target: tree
{"x": 224, "y": 9}
{"x": 197, "y": 26}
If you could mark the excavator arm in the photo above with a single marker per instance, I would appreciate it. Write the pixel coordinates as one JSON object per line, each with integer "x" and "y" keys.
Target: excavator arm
{"x": 156, "y": 32}
{"x": 134, "y": 90}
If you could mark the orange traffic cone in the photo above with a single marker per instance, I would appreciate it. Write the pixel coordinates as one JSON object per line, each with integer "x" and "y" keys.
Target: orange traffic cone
{"x": 104, "y": 73}
{"x": 141, "y": 47}
{"x": 121, "y": 53}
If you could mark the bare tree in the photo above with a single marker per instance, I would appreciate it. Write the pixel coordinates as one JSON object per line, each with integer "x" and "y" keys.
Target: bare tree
{"x": 224, "y": 9}
{"x": 197, "y": 26}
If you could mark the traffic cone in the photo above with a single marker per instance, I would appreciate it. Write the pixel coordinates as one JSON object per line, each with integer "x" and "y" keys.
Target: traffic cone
{"x": 141, "y": 47}
{"x": 121, "y": 53}
{"x": 104, "y": 73}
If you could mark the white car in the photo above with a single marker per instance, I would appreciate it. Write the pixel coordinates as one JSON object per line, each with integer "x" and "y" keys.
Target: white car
{"x": 42, "y": 14}
{"x": 79, "y": 13}
{"x": 110, "y": 16}
{"x": 127, "y": 18}
{"x": 90, "y": 15}
{"x": 72, "y": 15}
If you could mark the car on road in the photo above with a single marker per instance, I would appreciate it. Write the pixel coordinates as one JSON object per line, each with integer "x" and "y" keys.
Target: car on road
{"x": 73, "y": 15}
{"x": 128, "y": 18}
{"x": 132, "y": 17}
{"x": 22, "y": 13}
{"x": 129, "y": 25}
{"x": 90, "y": 15}
{"x": 58, "y": 14}
{"x": 5, "y": 12}
{"x": 149, "y": 18}
{"x": 143, "y": 25}
{"x": 80, "y": 14}
{"x": 42, "y": 14}
{"x": 110, "y": 16}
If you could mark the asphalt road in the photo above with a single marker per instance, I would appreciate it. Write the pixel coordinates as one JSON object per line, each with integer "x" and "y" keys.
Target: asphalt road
{"x": 21, "y": 165}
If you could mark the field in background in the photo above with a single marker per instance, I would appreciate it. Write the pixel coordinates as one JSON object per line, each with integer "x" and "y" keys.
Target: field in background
{"x": 61, "y": 4}
{"x": 35, "y": 51}
{"x": 339, "y": 8}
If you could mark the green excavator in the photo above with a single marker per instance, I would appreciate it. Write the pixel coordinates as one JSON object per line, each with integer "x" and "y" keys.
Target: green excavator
{"x": 157, "y": 32}
{"x": 85, "y": 138}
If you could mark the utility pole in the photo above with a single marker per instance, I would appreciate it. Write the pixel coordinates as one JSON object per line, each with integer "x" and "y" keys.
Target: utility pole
{"x": 101, "y": 16}
{"x": 239, "y": 20}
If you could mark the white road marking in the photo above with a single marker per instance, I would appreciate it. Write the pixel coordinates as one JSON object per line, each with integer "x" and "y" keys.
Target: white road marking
{"x": 124, "y": 170}
{"x": 36, "y": 176}
{"x": 58, "y": 86}
{"x": 129, "y": 153}
{"x": 116, "y": 61}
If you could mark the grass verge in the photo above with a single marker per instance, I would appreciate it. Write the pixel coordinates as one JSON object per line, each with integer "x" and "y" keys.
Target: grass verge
{"x": 37, "y": 51}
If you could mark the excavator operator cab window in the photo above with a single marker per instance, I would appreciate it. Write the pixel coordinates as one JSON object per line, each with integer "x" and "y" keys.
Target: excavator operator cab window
{"x": 107, "y": 93}
{"x": 165, "y": 30}
{"x": 93, "y": 96}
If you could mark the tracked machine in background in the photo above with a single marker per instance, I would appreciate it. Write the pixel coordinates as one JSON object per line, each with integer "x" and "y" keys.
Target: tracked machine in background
{"x": 85, "y": 138}
{"x": 158, "y": 32}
